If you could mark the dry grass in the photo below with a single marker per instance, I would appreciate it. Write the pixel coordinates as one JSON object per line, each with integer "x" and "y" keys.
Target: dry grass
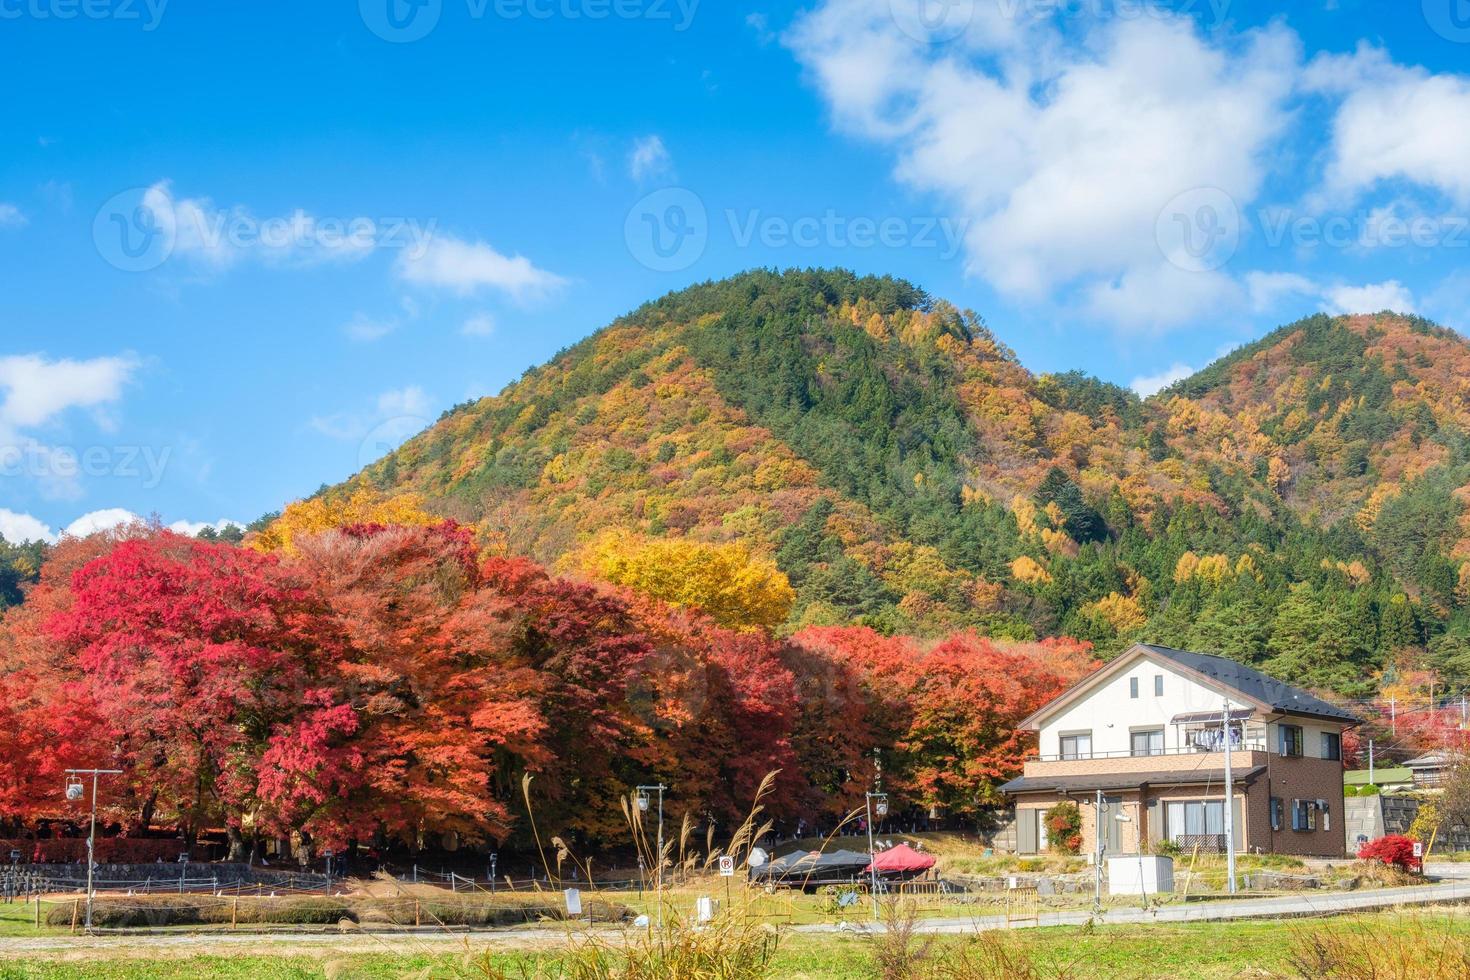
{"x": 1417, "y": 949}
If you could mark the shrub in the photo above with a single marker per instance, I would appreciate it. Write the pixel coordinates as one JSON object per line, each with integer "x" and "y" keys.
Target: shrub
{"x": 1349, "y": 791}
{"x": 1064, "y": 827}
{"x": 1368, "y": 790}
{"x": 157, "y": 911}
{"x": 1168, "y": 848}
{"x": 1394, "y": 849}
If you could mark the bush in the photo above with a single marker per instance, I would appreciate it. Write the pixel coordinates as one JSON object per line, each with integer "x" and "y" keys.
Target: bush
{"x": 1349, "y": 791}
{"x": 1369, "y": 790}
{"x": 1064, "y": 827}
{"x": 1168, "y": 848}
{"x": 1393, "y": 849}
{"x": 158, "y": 911}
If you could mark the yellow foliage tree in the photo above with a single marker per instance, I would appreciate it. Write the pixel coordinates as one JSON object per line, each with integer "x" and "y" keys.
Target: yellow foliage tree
{"x": 363, "y": 506}
{"x": 1185, "y": 568}
{"x": 1213, "y": 569}
{"x": 1123, "y": 613}
{"x": 738, "y": 590}
{"x": 1026, "y": 569}
{"x": 1462, "y": 590}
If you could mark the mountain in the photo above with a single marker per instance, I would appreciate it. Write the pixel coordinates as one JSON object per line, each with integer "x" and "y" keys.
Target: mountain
{"x": 1298, "y": 504}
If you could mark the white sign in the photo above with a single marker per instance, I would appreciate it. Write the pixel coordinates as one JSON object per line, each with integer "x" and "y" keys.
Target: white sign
{"x": 574, "y": 902}
{"x": 1418, "y": 849}
{"x": 727, "y": 867}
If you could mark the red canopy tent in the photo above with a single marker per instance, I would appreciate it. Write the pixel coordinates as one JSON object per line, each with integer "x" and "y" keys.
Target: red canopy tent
{"x": 900, "y": 860}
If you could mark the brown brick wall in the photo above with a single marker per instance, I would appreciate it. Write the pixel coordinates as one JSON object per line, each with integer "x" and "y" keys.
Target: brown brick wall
{"x": 1306, "y": 779}
{"x": 1287, "y": 778}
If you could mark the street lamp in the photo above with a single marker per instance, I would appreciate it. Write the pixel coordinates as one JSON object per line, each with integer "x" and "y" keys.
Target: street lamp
{"x": 877, "y": 803}
{"x": 643, "y": 802}
{"x": 75, "y": 791}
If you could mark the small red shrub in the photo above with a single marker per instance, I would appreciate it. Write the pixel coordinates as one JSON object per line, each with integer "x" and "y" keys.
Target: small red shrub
{"x": 1394, "y": 849}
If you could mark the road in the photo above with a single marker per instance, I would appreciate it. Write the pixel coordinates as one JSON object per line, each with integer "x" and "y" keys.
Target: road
{"x": 1454, "y": 888}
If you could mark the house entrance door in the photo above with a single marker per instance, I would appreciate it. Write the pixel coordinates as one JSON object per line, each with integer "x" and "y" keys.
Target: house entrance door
{"x": 1113, "y": 830}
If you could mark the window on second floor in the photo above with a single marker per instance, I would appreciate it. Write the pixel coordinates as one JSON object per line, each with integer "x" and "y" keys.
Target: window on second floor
{"x": 1149, "y": 742}
{"x": 1077, "y": 746}
{"x": 1158, "y": 685}
{"x": 1332, "y": 746}
{"x": 1291, "y": 739}
{"x": 1133, "y": 687}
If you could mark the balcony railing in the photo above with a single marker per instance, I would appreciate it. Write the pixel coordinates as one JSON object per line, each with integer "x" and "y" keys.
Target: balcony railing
{"x": 1246, "y": 746}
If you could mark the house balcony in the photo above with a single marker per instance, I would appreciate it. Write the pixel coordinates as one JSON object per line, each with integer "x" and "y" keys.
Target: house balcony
{"x": 1245, "y": 756}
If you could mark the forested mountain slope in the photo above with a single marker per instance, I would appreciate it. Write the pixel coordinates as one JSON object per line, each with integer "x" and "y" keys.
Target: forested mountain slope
{"x": 1298, "y": 504}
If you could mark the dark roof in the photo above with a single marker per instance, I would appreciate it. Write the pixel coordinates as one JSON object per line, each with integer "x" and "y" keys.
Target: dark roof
{"x": 1253, "y": 684}
{"x": 1126, "y": 780}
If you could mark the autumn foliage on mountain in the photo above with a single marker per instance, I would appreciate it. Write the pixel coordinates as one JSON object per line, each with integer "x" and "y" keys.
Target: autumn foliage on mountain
{"x": 1299, "y": 505}
{"x": 386, "y": 683}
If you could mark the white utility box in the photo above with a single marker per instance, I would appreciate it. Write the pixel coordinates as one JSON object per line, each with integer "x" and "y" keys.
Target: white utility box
{"x": 1140, "y": 874}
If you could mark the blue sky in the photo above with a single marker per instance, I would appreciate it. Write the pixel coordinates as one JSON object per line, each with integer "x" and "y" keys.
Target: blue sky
{"x": 247, "y": 246}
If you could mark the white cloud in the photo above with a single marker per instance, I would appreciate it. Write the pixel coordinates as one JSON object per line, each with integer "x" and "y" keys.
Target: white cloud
{"x": 217, "y": 237}
{"x": 1152, "y": 384}
{"x": 479, "y": 325}
{"x": 192, "y": 528}
{"x": 406, "y": 409}
{"x": 1061, "y": 153}
{"x": 1371, "y": 298}
{"x": 100, "y": 520}
{"x": 761, "y": 24}
{"x": 1394, "y": 122}
{"x": 11, "y": 216}
{"x": 649, "y": 158}
{"x": 1269, "y": 289}
{"x": 37, "y": 390}
{"x": 366, "y": 329}
{"x": 467, "y": 267}
{"x": 18, "y": 528}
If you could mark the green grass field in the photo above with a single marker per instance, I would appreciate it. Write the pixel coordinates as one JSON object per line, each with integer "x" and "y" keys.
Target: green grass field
{"x": 1208, "y": 951}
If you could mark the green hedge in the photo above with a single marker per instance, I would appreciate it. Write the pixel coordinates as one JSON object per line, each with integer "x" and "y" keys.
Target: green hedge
{"x": 157, "y": 911}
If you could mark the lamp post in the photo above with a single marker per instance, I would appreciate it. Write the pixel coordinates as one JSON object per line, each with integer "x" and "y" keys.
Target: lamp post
{"x": 643, "y": 801}
{"x": 75, "y": 790}
{"x": 494, "y": 859}
{"x": 877, "y": 803}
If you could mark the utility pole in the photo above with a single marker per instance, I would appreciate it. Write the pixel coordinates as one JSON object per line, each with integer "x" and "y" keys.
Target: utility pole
{"x": 1097, "y": 833}
{"x": 1370, "y": 762}
{"x": 1229, "y": 803}
{"x": 1393, "y": 717}
{"x": 73, "y": 792}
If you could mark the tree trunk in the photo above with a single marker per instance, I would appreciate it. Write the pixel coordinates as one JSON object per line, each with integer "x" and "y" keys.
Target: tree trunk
{"x": 237, "y": 844}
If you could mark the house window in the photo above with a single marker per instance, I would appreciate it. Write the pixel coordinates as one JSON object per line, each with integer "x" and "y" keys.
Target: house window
{"x": 1291, "y": 739}
{"x": 1275, "y": 813}
{"x": 1133, "y": 687}
{"x": 1077, "y": 746}
{"x": 1332, "y": 746}
{"x": 1304, "y": 815}
{"x": 1204, "y": 818}
{"x": 1150, "y": 742}
{"x": 1158, "y": 685}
